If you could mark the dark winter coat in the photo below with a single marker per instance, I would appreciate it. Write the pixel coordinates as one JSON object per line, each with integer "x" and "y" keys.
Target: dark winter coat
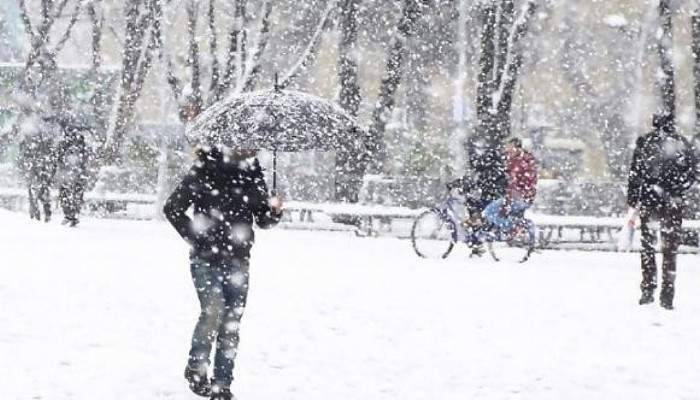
{"x": 37, "y": 159}
{"x": 72, "y": 159}
{"x": 489, "y": 174}
{"x": 227, "y": 197}
{"x": 663, "y": 167}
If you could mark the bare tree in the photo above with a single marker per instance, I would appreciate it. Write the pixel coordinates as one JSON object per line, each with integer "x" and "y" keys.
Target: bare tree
{"x": 499, "y": 67}
{"x": 98, "y": 99}
{"x": 40, "y": 64}
{"x": 398, "y": 50}
{"x": 666, "y": 83}
{"x": 309, "y": 53}
{"x": 239, "y": 69}
{"x": 142, "y": 39}
{"x": 348, "y": 175}
{"x": 695, "y": 21}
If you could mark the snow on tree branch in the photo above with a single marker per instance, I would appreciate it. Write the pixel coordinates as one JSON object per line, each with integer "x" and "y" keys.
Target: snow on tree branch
{"x": 310, "y": 52}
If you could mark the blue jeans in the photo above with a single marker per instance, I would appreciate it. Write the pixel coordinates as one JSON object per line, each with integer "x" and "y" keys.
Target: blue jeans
{"x": 222, "y": 288}
{"x": 505, "y": 223}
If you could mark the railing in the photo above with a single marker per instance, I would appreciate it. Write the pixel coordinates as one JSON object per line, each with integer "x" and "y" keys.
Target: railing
{"x": 554, "y": 232}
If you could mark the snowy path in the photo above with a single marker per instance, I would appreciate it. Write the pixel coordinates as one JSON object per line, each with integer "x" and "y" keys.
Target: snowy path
{"x": 107, "y": 310}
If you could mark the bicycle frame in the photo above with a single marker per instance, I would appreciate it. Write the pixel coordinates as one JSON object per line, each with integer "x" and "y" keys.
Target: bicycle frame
{"x": 447, "y": 210}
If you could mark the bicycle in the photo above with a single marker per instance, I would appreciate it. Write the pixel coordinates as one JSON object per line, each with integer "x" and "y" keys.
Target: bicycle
{"x": 435, "y": 232}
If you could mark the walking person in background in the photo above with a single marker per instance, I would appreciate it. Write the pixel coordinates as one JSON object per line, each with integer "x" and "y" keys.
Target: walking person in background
{"x": 228, "y": 192}
{"x": 663, "y": 169}
{"x": 71, "y": 171}
{"x": 37, "y": 162}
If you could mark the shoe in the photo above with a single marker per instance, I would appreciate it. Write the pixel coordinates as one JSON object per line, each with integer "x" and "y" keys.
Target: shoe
{"x": 70, "y": 222}
{"x": 647, "y": 297}
{"x": 221, "y": 394}
{"x": 198, "y": 381}
{"x": 666, "y": 297}
{"x": 667, "y": 304}
{"x": 477, "y": 251}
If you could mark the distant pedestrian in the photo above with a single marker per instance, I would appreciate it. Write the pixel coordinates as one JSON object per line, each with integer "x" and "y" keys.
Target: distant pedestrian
{"x": 37, "y": 163}
{"x": 663, "y": 169}
{"x": 71, "y": 173}
{"x": 228, "y": 193}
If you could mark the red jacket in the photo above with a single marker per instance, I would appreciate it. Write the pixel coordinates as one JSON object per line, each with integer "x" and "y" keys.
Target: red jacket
{"x": 522, "y": 176}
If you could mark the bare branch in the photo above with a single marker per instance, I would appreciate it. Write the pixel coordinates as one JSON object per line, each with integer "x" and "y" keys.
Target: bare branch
{"x": 193, "y": 50}
{"x": 145, "y": 65}
{"x": 24, "y": 14}
{"x": 118, "y": 38}
{"x": 213, "y": 49}
{"x": 310, "y": 52}
{"x": 514, "y": 58}
{"x": 69, "y": 29}
{"x": 97, "y": 22}
{"x": 60, "y": 8}
{"x": 249, "y": 79}
{"x": 234, "y": 49}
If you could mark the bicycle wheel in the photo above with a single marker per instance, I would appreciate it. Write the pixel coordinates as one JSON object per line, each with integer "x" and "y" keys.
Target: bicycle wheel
{"x": 433, "y": 236}
{"x": 516, "y": 246}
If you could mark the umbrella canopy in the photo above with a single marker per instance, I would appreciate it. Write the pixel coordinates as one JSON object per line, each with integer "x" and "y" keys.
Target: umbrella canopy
{"x": 281, "y": 120}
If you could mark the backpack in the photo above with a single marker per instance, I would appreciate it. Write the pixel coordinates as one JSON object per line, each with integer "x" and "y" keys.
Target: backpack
{"x": 670, "y": 162}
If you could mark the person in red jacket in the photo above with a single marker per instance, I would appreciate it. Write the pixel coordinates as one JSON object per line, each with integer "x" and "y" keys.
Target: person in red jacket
{"x": 521, "y": 169}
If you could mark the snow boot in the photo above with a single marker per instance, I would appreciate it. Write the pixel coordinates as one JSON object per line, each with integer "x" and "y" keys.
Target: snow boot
{"x": 666, "y": 298}
{"x": 477, "y": 251}
{"x": 198, "y": 381}
{"x": 221, "y": 394}
{"x": 647, "y": 297}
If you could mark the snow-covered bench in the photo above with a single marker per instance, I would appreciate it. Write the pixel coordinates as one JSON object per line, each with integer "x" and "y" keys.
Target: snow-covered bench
{"x": 105, "y": 203}
{"x": 365, "y": 220}
{"x": 371, "y": 220}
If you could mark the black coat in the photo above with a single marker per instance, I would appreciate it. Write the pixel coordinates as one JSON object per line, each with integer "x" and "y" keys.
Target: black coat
{"x": 72, "y": 158}
{"x": 650, "y": 185}
{"x": 227, "y": 198}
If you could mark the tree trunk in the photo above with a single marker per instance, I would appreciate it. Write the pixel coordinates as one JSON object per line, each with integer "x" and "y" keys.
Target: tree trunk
{"x": 499, "y": 68}
{"x": 459, "y": 102}
{"x": 309, "y": 54}
{"x": 412, "y": 10}
{"x": 142, "y": 39}
{"x": 696, "y": 66}
{"x": 348, "y": 177}
{"x": 667, "y": 84}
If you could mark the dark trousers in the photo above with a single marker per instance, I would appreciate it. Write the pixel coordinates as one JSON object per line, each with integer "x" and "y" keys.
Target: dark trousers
{"x": 222, "y": 288}
{"x": 670, "y": 217}
{"x": 71, "y": 198}
{"x": 39, "y": 194}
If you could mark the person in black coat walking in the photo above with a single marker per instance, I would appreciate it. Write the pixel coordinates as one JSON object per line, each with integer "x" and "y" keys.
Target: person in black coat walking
{"x": 71, "y": 173}
{"x": 663, "y": 168}
{"x": 37, "y": 161}
{"x": 228, "y": 193}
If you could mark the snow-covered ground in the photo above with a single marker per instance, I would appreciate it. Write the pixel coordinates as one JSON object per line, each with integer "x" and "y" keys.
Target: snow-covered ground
{"x": 106, "y": 311}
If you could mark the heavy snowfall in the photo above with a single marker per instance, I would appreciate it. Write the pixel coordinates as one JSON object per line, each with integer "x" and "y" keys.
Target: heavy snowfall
{"x": 336, "y": 199}
{"x": 107, "y": 311}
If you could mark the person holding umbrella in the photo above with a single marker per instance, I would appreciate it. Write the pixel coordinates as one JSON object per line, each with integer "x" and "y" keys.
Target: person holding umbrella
{"x": 227, "y": 190}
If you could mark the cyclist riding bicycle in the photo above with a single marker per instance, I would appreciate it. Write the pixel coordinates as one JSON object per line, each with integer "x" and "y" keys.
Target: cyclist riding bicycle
{"x": 521, "y": 169}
